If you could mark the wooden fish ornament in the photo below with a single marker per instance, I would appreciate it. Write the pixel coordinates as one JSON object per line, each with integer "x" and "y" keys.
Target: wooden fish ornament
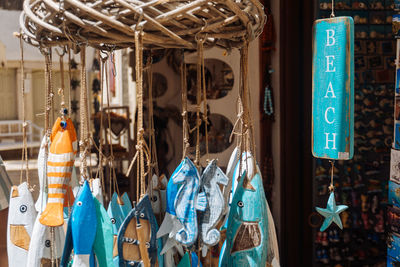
{"x": 21, "y": 218}
{"x": 59, "y": 168}
{"x": 83, "y": 226}
{"x": 137, "y": 244}
{"x": 211, "y": 178}
{"x": 188, "y": 200}
{"x": 40, "y": 246}
{"x": 103, "y": 242}
{"x": 158, "y": 195}
{"x": 118, "y": 209}
{"x": 247, "y": 232}
{"x": 41, "y": 165}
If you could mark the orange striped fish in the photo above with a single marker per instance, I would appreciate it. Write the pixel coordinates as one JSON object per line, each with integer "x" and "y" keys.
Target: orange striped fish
{"x": 60, "y": 162}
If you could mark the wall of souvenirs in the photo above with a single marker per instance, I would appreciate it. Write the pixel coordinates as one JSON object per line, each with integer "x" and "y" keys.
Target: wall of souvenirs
{"x": 362, "y": 183}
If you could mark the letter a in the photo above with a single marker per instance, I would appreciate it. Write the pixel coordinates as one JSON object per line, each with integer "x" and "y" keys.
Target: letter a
{"x": 330, "y": 90}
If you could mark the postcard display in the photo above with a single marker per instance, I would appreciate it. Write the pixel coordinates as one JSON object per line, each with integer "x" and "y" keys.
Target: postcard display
{"x": 361, "y": 183}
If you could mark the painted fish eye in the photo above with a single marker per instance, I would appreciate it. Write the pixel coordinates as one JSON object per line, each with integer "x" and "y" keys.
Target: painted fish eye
{"x": 240, "y": 204}
{"x": 147, "y": 245}
{"x": 141, "y": 215}
{"x": 113, "y": 221}
{"x": 154, "y": 198}
{"x": 47, "y": 243}
{"x": 23, "y": 208}
{"x": 79, "y": 203}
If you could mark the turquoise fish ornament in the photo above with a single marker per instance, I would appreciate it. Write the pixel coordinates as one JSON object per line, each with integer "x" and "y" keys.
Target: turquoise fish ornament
{"x": 331, "y": 213}
{"x": 247, "y": 231}
{"x": 188, "y": 200}
{"x": 118, "y": 209}
{"x": 190, "y": 259}
{"x": 103, "y": 243}
{"x": 211, "y": 178}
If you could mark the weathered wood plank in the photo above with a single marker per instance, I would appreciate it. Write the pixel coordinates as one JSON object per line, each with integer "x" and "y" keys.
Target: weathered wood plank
{"x": 333, "y": 89}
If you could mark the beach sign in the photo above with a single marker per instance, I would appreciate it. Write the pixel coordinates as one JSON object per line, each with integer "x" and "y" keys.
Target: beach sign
{"x": 333, "y": 89}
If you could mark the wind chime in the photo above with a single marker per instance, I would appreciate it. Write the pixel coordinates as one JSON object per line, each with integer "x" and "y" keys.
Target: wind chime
{"x": 195, "y": 204}
{"x": 333, "y": 100}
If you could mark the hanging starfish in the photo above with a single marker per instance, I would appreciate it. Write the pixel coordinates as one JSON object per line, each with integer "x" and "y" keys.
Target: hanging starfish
{"x": 331, "y": 213}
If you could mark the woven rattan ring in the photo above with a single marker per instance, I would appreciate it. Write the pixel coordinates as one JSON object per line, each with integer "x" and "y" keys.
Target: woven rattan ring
{"x": 164, "y": 23}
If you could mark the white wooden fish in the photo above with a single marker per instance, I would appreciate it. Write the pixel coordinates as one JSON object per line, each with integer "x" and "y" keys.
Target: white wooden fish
{"x": 21, "y": 218}
{"x": 95, "y": 186}
{"x": 41, "y": 165}
{"x": 40, "y": 245}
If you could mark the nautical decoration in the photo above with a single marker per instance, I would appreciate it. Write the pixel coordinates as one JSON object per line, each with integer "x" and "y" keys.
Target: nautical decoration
{"x": 39, "y": 253}
{"x": 137, "y": 243}
{"x": 247, "y": 232}
{"x": 187, "y": 201}
{"x": 158, "y": 195}
{"x": 211, "y": 178}
{"x": 41, "y": 165}
{"x": 103, "y": 242}
{"x": 83, "y": 226}
{"x": 333, "y": 88}
{"x": 331, "y": 213}
{"x": 118, "y": 209}
{"x": 59, "y": 168}
{"x": 21, "y": 218}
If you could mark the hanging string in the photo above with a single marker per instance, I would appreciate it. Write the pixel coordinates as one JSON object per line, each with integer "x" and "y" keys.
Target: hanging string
{"x": 140, "y": 130}
{"x": 333, "y": 9}
{"x": 83, "y": 143}
{"x": 100, "y": 163}
{"x": 185, "y": 123}
{"x": 204, "y": 91}
{"x": 198, "y": 99}
{"x": 24, "y": 158}
{"x": 113, "y": 176}
{"x": 331, "y": 186}
{"x": 69, "y": 78}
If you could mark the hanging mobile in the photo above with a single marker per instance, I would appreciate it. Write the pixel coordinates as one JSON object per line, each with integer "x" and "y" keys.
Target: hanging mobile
{"x": 333, "y": 99}
{"x": 332, "y": 211}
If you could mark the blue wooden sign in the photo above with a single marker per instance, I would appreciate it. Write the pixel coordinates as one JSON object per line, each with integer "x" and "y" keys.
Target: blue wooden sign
{"x": 333, "y": 88}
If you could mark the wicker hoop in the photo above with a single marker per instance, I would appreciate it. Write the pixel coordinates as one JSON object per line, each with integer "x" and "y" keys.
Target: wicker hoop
{"x": 111, "y": 24}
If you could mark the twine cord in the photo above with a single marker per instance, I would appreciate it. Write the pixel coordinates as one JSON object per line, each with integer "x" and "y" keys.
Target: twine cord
{"x": 185, "y": 123}
{"x": 84, "y": 135}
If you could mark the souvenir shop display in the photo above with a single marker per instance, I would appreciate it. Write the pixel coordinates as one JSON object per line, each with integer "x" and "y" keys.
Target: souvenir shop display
{"x": 208, "y": 217}
{"x": 393, "y": 210}
{"x": 361, "y": 182}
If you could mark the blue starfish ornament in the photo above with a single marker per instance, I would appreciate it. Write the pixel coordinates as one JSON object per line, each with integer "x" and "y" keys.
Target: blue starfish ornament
{"x": 331, "y": 213}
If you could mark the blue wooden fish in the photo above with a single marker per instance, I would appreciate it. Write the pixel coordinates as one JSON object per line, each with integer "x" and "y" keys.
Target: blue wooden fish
{"x": 118, "y": 209}
{"x": 83, "y": 226}
{"x": 103, "y": 243}
{"x": 188, "y": 200}
{"x": 247, "y": 232}
{"x": 210, "y": 180}
{"x": 137, "y": 244}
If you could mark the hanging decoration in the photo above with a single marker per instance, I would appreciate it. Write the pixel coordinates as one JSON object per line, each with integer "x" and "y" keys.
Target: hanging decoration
{"x": 333, "y": 99}
{"x": 195, "y": 203}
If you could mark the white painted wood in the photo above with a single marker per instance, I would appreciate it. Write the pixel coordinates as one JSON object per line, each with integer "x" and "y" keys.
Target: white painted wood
{"x": 40, "y": 243}
{"x": 97, "y": 191}
{"x": 41, "y": 165}
{"x": 81, "y": 261}
{"x": 22, "y": 212}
